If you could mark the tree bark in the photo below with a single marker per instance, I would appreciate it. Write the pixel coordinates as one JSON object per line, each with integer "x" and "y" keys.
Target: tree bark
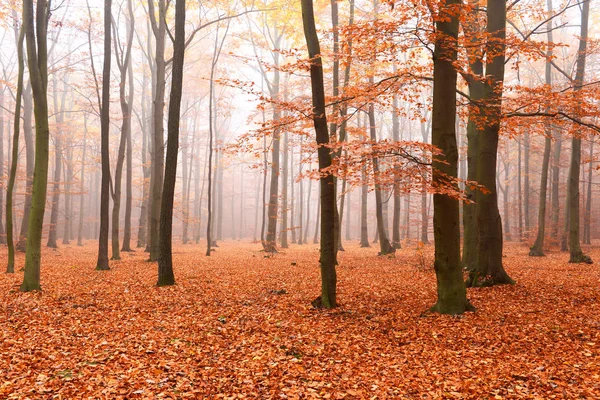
{"x": 537, "y": 250}
{"x": 29, "y": 161}
{"x": 490, "y": 270}
{"x": 10, "y": 268}
{"x": 576, "y": 254}
{"x": 165, "y": 259}
{"x": 328, "y": 245}
{"x": 158, "y": 147}
{"x": 452, "y": 295}
{"x": 102, "y": 263}
{"x": 37, "y": 58}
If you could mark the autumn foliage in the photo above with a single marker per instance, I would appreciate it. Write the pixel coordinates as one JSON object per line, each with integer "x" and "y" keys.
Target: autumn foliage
{"x": 239, "y": 325}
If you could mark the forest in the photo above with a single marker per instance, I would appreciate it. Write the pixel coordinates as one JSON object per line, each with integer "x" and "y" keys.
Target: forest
{"x": 343, "y": 199}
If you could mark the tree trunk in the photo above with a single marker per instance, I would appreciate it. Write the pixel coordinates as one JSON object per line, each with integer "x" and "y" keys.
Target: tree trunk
{"x": 364, "y": 193}
{"x": 490, "y": 270}
{"x": 158, "y": 147}
{"x": 29, "y": 160}
{"x": 576, "y": 254}
{"x": 537, "y": 250}
{"x": 328, "y": 245}
{"x": 125, "y": 100}
{"x": 82, "y": 182}
{"x": 10, "y": 268}
{"x": 587, "y": 218}
{"x": 37, "y": 58}
{"x": 165, "y": 260}
{"x": 526, "y": 185}
{"x": 452, "y": 295}
{"x": 384, "y": 244}
{"x": 2, "y": 234}
{"x": 129, "y": 179}
{"x": 283, "y": 236}
{"x": 102, "y": 263}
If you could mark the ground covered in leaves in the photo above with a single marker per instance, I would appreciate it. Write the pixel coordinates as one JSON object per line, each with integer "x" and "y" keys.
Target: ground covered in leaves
{"x": 240, "y": 325}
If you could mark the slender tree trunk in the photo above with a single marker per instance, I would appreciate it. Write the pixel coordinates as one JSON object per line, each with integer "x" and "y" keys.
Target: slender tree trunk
{"x": 328, "y": 244}
{"x": 308, "y": 198}
{"x": 68, "y": 199}
{"x": 537, "y": 250}
{"x": 125, "y": 100}
{"x": 211, "y": 122}
{"x": 364, "y": 192}
{"x": 554, "y": 217}
{"x": 526, "y": 185}
{"x": 165, "y": 260}
{"x": 587, "y": 218}
{"x": 2, "y": 234}
{"x": 102, "y": 263}
{"x": 284, "y": 194}
{"x": 30, "y": 161}
{"x": 576, "y": 254}
{"x": 452, "y": 295}
{"x": 129, "y": 160}
{"x": 270, "y": 245}
{"x": 396, "y": 187}
{"x": 384, "y": 245}
{"x": 520, "y": 193}
{"x": 58, "y": 156}
{"x": 146, "y": 170}
{"x": 10, "y": 268}
{"x": 82, "y": 182}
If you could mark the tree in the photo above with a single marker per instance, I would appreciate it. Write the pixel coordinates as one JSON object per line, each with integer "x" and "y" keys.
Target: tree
{"x": 489, "y": 269}
{"x": 102, "y": 263}
{"x": 165, "y": 259}
{"x": 123, "y": 58}
{"x": 10, "y": 268}
{"x": 37, "y": 59}
{"x": 537, "y": 249}
{"x": 158, "y": 148}
{"x": 328, "y": 249}
{"x": 452, "y": 295}
{"x": 576, "y": 254}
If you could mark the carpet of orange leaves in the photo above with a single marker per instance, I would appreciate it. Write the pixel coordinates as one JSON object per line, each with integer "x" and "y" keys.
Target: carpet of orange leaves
{"x": 239, "y": 325}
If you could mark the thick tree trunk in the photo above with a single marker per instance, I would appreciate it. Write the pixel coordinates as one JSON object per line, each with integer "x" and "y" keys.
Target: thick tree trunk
{"x": 37, "y": 58}
{"x": 490, "y": 270}
{"x": 165, "y": 260}
{"x": 328, "y": 245}
{"x": 158, "y": 147}
{"x": 452, "y": 295}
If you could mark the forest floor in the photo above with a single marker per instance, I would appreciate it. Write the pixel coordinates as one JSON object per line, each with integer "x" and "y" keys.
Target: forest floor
{"x": 239, "y": 325}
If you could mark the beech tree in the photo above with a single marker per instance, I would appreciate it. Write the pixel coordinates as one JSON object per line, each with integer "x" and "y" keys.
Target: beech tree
{"x": 328, "y": 260}
{"x": 37, "y": 58}
{"x": 165, "y": 259}
{"x": 451, "y": 291}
